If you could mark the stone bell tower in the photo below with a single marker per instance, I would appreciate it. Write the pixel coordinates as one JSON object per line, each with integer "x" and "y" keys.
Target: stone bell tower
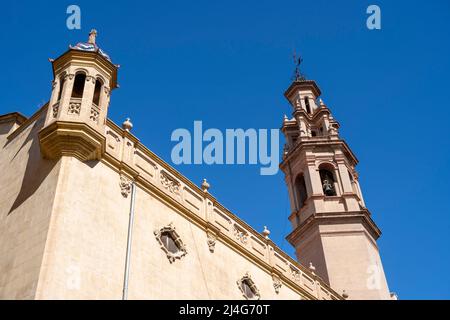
{"x": 332, "y": 228}
{"x": 75, "y": 122}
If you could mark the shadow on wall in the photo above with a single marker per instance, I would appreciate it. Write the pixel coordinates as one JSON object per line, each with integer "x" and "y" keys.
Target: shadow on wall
{"x": 37, "y": 168}
{"x": 5, "y": 128}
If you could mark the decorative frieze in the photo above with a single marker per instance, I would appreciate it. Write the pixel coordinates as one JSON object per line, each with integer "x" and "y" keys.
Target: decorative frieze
{"x": 295, "y": 274}
{"x": 240, "y": 234}
{"x": 69, "y": 76}
{"x": 169, "y": 183}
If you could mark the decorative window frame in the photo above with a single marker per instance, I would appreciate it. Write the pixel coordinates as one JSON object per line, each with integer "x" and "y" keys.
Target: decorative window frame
{"x": 247, "y": 278}
{"x": 176, "y": 238}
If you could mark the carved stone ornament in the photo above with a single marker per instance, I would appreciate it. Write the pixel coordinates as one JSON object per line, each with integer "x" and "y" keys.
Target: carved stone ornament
{"x": 55, "y": 109}
{"x": 240, "y": 234}
{"x": 69, "y": 76}
{"x": 211, "y": 241}
{"x": 246, "y": 283}
{"x": 276, "y": 283}
{"x": 169, "y": 231}
{"x": 295, "y": 274}
{"x": 169, "y": 183}
{"x": 125, "y": 186}
{"x": 74, "y": 108}
{"x": 94, "y": 115}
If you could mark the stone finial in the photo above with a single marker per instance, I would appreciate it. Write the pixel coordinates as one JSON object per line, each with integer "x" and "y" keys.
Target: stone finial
{"x": 92, "y": 36}
{"x": 321, "y": 103}
{"x": 344, "y": 294}
{"x": 266, "y": 233}
{"x": 205, "y": 185}
{"x": 127, "y": 125}
{"x": 312, "y": 268}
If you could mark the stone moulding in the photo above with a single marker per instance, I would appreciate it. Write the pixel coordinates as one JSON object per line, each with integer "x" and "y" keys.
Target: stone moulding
{"x": 71, "y": 139}
{"x": 161, "y": 190}
{"x": 170, "y": 229}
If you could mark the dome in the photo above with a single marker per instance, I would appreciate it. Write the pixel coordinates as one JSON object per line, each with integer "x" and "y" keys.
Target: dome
{"x": 90, "y": 46}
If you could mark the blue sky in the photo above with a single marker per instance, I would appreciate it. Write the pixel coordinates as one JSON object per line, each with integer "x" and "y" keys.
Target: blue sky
{"x": 228, "y": 63}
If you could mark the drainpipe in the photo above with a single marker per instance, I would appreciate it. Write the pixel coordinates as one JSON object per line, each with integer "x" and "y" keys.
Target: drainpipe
{"x": 130, "y": 234}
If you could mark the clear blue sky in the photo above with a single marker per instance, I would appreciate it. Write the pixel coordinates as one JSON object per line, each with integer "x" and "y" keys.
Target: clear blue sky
{"x": 228, "y": 63}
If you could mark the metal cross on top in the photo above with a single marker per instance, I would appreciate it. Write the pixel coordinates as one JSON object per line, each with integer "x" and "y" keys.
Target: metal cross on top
{"x": 298, "y": 76}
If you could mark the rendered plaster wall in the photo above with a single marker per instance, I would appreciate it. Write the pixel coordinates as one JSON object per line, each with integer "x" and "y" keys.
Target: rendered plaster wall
{"x": 87, "y": 246}
{"x": 27, "y": 190}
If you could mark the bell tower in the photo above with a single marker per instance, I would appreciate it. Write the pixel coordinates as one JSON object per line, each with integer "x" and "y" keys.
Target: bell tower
{"x": 77, "y": 111}
{"x": 332, "y": 228}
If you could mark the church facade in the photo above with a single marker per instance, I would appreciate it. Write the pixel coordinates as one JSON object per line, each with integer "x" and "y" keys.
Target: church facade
{"x": 88, "y": 212}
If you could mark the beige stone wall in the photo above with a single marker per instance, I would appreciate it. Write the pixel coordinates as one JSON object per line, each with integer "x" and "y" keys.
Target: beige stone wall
{"x": 68, "y": 238}
{"x": 27, "y": 189}
{"x": 87, "y": 240}
{"x": 88, "y": 245}
{"x": 368, "y": 281}
{"x": 200, "y": 274}
{"x": 340, "y": 250}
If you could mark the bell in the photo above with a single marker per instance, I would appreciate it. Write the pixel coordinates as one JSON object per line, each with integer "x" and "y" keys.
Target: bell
{"x": 328, "y": 188}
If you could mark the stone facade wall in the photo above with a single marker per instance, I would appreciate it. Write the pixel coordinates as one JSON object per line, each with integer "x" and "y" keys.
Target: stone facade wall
{"x": 75, "y": 215}
{"x": 27, "y": 192}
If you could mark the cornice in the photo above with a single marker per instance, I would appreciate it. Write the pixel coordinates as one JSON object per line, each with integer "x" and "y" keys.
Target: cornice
{"x": 307, "y": 84}
{"x": 203, "y": 219}
{"x": 77, "y": 139}
{"x": 331, "y": 218}
{"x": 72, "y": 55}
{"x": 26, "y": 123}
{"x": 17, "y": 117}
{"x": 312, "y": 142}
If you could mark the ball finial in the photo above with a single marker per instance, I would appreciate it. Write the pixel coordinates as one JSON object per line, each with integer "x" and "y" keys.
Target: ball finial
{"x": 266, "y": 233}
{"x": 205, "y": 185}
{"x": 127, "y": 125}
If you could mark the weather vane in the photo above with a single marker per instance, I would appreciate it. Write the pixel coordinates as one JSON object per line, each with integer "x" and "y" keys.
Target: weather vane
{"x": 298, "y": 76}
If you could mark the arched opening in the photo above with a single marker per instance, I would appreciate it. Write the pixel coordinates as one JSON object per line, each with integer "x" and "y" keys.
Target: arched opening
{"x": 78, "y": 85}
{"x": 308, "y": 107}
{"x": 97, "y": 91}
{"x": 301, "y": 192}
{"x": 328, "y": 181}
{"x": 61, "y": 86}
